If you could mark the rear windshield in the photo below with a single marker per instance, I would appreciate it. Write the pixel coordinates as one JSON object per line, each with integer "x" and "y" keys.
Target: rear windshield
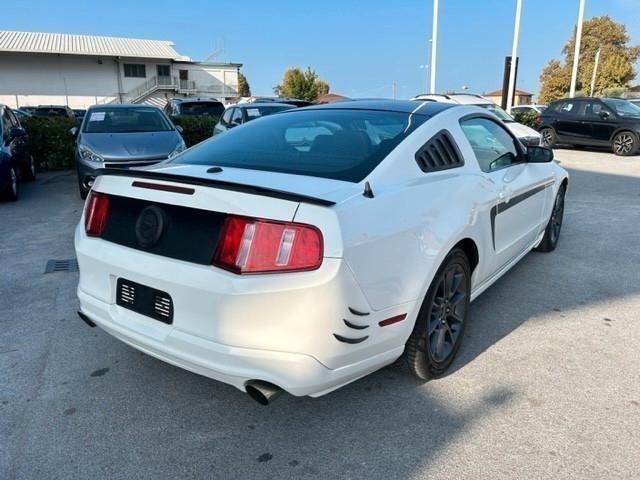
{"x": 125, "y": 120}
{"x": 497, "y": 111}
{"x": 50, "y": 112}
{"x": 255, "y": 112}
{"x": 338, "y": 144}
{"x": 201, "y": 108}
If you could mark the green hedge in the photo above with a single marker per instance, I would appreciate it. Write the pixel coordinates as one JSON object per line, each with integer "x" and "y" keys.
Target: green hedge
{"x": 51, "y": 143}
{"x": 196, "y": 129}
{"x": 526, "y": 118}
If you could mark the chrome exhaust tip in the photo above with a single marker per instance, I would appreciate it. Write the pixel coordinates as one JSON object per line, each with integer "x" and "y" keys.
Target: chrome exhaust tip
{"x": 262, "y": 392}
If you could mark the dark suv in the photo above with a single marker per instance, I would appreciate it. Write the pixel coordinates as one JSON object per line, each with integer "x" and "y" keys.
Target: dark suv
{"x": 597, "y": 122}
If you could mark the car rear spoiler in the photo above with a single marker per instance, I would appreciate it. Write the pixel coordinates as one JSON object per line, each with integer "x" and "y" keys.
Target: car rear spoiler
{"x": 222, "y": 184}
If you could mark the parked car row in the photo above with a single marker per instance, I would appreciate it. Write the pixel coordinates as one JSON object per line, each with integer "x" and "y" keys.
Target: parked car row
{"x": 527, "y": 135}
{"x": 16, "y": 162}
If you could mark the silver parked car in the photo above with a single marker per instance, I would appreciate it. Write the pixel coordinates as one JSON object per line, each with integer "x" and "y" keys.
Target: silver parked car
{"x": 123, "y": 136}
{"x": 236, "y": 115}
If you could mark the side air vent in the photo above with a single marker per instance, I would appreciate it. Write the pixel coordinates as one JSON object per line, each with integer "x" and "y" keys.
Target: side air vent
{"x": 439, "y": 153}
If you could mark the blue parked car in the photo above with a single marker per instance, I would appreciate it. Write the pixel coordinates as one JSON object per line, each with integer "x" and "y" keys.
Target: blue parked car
{"x": 123, "y": 136}
{"x": 16, "y": 161}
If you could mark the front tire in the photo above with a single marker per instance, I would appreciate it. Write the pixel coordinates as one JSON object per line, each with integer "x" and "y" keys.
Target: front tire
{"x": 624, "y": 144}
{"x": 439, "y": 328}
{"x": 29, "y": 173}
{"x": 549, "y": 137}
{"x": 552, "y": 232}
{"x": 11, "y": 193}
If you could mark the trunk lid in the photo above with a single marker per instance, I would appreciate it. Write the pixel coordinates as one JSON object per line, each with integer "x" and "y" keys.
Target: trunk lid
{"x": 179, "y": 211}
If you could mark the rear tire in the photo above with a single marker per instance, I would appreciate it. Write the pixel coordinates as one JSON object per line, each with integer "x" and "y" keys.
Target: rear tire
{"x": 624, "y": 144}
{"x": 439, "y": 328}
{"x": 549, "y": 137}
{"x": 552, "y": 231}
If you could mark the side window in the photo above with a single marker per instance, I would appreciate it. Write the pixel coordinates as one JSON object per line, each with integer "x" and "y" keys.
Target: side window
{"x": 6, "y": 123}
{"x": 226, "y": 117}
{"x": 13, "y": 121}
{"x": 595, "y": 109}
{"x": 573, "y": 108}
{"x": 236, "y": 118}
{"x": 492, "y": 144}
{"x": 135, "y": 70}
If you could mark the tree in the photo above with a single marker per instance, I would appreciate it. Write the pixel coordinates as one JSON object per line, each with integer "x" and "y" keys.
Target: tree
{"x": 244, "y": 90}
{"x": 617, "y": 59}
{"x": 303, "y": 85}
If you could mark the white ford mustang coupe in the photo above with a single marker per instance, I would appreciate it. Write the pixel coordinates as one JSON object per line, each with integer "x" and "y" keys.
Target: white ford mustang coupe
{"x": 309, "y": 248}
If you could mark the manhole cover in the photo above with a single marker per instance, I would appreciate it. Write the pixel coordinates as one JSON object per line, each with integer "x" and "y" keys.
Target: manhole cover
{"x": 70, "y": 265}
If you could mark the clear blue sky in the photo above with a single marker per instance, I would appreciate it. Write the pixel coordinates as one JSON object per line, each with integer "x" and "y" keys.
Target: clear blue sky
{"x": 359, "y": 46}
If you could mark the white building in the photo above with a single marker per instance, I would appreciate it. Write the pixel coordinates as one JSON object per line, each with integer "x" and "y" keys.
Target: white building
{"x": 82, "y": 70}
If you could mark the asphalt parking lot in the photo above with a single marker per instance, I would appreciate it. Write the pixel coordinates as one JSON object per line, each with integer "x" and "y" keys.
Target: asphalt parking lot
{"x": 546, "y": 385}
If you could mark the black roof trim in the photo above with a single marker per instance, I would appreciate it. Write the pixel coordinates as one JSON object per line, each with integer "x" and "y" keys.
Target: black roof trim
{"x": 221, "y": 184}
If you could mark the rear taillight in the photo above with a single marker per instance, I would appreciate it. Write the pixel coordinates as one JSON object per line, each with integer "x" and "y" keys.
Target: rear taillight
{"x": 96, "y": 211}
{"x": 250, "y": 245}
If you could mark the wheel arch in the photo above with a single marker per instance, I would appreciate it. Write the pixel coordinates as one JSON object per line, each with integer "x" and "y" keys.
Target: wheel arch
{"x": 470, "y": 249}
{"x": 626, "y": 129}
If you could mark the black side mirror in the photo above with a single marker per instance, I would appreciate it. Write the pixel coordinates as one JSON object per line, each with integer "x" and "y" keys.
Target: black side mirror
{"x": 539, "y": 154}
{"x": 15, "y": 132}
{"x": 74, "y": 131}
{"x": 604, "y": 114}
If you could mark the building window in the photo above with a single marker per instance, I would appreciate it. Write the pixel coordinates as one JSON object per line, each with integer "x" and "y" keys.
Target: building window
{"x": 163, "y": 70}
{"x": 136, "y": 70}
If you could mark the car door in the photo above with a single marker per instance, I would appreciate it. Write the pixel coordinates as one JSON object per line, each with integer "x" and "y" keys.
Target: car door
{"x": 570, "y": 122}
{"x": 601, "y": 120}
{"x": 520, "y": 188}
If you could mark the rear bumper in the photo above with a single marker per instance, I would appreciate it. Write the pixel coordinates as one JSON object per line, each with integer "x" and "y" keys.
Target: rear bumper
{"x": 295, "y": 373}
{"x": 276, "y": 328}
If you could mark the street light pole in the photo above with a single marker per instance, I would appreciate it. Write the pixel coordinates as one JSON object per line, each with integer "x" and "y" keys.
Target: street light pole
{"x": 576, "y": 51}
{"x": 514, "y": 56}
{"x": 595, "y": 72}
{"x": 434, "y": 47}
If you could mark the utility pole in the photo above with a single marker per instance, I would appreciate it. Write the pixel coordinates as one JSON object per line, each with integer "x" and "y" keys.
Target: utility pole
{"x": 595, "y": 72}
{"x": 393, "y": 90}
{"x": 576, "y": 51}
{"x": 514, "y": 56}
{"x": 434, "y": 47}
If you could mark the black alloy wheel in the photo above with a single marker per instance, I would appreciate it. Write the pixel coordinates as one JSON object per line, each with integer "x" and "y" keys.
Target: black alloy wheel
{"x": 448, "y": 312}
{"x": 439, "y": 328}
{"x": 552, "y": 231}
{"x": 548, "y": 137}
{"x": 624, "y": 144}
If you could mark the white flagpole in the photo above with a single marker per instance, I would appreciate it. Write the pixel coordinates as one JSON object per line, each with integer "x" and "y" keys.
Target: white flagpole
{"x": 434, "y": 47}
{"x": 514, "y": 56}
{"x": 576, "y": 51}
{"x": 595, "y": 72}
